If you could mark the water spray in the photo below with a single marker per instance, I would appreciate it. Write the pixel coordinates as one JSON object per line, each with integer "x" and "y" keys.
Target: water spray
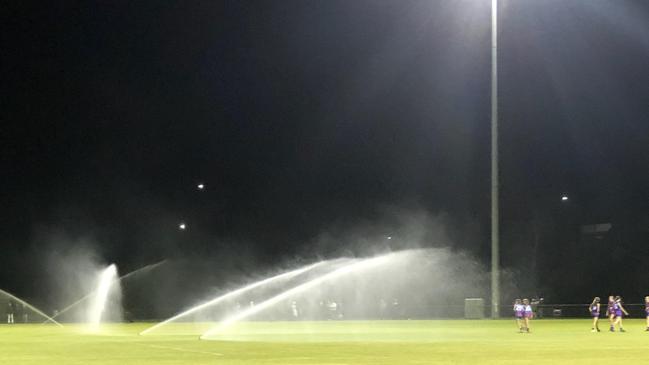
{"x": 236, "y": 292}
{"x": 121, "y": 278}
{"x": 106, "y": 279}
{"x": 356, "y": 266}
{"x": 49, "y": 319}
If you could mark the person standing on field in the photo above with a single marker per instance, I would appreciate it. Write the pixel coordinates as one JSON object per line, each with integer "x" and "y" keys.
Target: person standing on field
{"x": 11, "y": 307}
{"x": 610, "y": 312}
{"x": 594, "y": 312}
{"x": 646, "y": 310}
{"x": 619, "y": 311}
{"x": 25, "y": 314}
{"x": 528, "y": 314}
{"x": 519, "y": 310}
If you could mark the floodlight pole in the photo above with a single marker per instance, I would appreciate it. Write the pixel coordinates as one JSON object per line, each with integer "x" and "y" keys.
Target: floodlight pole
{"x": 495, "y": 223}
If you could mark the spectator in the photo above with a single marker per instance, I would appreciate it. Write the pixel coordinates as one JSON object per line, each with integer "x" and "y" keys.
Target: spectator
{"x": 11, "y": 308}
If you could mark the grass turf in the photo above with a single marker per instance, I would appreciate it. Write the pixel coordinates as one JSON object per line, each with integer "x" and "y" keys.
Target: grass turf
{"x": 345, "y": 342}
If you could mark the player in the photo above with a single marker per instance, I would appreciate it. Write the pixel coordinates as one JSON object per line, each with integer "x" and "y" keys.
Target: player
{"x": 646, "y": 310}
{"x": 619, "y": 310}
{"x": 10, "y": 312}
{"x": 519, "y": 309}
{"x": 528, "y": 314}
{"x": 610, "y": 312}
{"x": 295, "y": 310}
{"x": 594, "y": 312}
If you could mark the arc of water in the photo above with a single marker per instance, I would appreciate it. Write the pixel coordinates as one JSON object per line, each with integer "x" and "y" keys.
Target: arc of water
{"x": 106, "y": 279}
{"x": 231, "y": 294}
{"x": 94, "y": 292}
{"x": 143, "y": 268}
{"x": 347, "y": 269}
{"x": 49, "y": 319}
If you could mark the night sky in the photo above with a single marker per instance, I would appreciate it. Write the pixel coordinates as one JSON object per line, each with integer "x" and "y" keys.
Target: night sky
{"x": 311, "y": 117}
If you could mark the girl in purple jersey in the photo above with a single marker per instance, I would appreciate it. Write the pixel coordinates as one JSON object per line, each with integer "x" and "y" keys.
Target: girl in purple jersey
{"x": 518, "y": 313}
{"x": 594, "y": 312}
{"x": 528, "y": 314}
{"x": 610, "y": 312}
{"x": 619, "y": 309}
{"x": 646, "y": 310}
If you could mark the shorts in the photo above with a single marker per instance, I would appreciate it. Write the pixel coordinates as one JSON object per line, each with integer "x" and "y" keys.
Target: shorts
{"x": 520, "y": 316}
{"x": 594, "y": 315}
{"x": 618, "y": 314}
{"x": 529, "y": 314}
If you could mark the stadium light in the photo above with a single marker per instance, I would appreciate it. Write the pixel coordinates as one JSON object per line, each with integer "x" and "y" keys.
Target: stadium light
{"x": 564, "y": 198}
{"x": 182, "y": 226}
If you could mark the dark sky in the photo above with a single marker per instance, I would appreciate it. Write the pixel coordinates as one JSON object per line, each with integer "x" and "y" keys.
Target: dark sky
{"x": 304, "y": 115}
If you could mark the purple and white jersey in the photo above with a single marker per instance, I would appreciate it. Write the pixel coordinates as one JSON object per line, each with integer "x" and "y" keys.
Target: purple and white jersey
{"x": 528, "y": 311}
{"x": 594, "y": 311}
{"x": 518, "y": 310}
{"x": 618, "y": 308}
{"x": 611, "y": 307}
{"x": 646, "y": 308}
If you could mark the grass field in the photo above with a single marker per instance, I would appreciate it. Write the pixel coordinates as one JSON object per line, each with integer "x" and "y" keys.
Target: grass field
{"x": 345, "y": 342}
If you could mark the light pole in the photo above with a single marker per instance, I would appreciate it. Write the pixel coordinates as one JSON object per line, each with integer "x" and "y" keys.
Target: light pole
{"x": 495, "y": 223}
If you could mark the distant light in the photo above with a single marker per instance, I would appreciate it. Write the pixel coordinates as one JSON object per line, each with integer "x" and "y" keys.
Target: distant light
{"x": 182, "y": 226}
{"x": 200, "y": 186}
{"x": 389, "y": 237}
{"x": 564, "y": 198}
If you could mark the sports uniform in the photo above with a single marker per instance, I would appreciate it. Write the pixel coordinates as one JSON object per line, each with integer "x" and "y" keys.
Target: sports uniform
{"x": 519, "y": 309}
{"x": 528, "y": 313}
{"x": 646, "y": 311}
{"x": 594, "y": 311}
{"x": 618, "y": 309}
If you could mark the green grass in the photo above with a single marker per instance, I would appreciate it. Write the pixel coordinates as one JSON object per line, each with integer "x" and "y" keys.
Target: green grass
{"x": 347, "y": 342}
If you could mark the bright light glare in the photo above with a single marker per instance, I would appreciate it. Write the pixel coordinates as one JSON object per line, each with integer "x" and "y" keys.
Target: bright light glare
{"x": 564, "y": 198}
{"x": 182, "y": 226}
{"x": 200, "y": 186}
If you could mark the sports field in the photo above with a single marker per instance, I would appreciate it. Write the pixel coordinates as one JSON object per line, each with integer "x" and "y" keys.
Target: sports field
{"x": 344, "y": 342}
